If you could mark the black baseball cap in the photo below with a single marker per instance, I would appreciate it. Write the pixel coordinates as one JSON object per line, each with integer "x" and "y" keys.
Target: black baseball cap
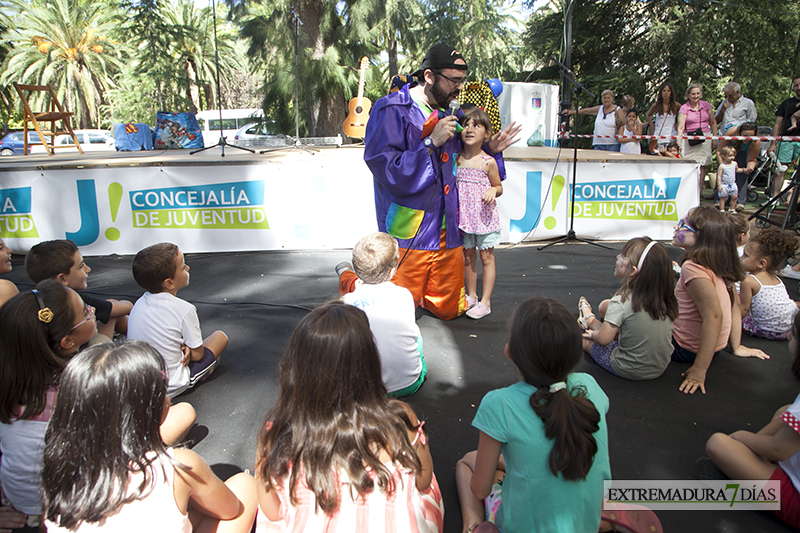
{"x": 439, "y": 57}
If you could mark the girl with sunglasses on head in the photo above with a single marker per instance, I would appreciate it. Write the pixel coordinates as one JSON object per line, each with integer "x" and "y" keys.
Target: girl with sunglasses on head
{"x": 40, "y": 331}
{"x": 709, "y": 317}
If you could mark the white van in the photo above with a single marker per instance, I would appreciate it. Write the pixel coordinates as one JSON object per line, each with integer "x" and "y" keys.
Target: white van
{"x": 232, "y": 121}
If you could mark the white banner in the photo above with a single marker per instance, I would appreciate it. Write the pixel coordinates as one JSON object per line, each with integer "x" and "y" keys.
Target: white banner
{"x": 613, "y": 201}
{"x": 535, "y": 106}
{"x": 320, "y": 202}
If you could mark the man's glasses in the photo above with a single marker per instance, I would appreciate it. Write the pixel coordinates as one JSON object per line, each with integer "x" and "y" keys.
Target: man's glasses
{"x": 88, "y": 312}
{"x": 454, "y": 81}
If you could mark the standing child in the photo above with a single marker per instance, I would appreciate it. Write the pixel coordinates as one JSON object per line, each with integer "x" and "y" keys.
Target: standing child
{"x": 726, "y": 178}
{"x": 478, "y": 181}
{"x": 170, "y": 324}
{"x": 709, "y": 310}
{"x": 335, "y": 454}
{"x": 641, "y": 313}
{"x": 111, "y": 401}
{"x": 767, "y": 310}
{"x": 632, "y": 127}
{"x": 550, "y": 428}
{"x": 773, "y": 453}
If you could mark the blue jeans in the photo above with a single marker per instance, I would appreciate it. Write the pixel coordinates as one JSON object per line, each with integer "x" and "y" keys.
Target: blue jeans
{"x": 607, "y": 147}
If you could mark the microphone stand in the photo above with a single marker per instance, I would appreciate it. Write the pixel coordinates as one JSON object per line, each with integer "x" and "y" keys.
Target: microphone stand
{"x": 571, "y": 236}
{"x": 222, "y": 143}
{"x": 297, "y": 143}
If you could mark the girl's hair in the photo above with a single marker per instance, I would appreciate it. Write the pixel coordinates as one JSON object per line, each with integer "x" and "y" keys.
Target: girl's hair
{"x": 106, "y": 420}
{"x": 740, "y": 224}
{"x": 628, "y": 101}
{"x": 775, "y": 246}
{"x": 727, "y": 150}
{"x": 652, "y": 288}
{"x": 479, "y": 116}
{"x": 674, "y": 144}
{"x": 30, "y": 347}
{"x": 796, "y": 356}
{"x": 632, "y": 110}
{"x": 660, "y": 98}
{"x": 545, "y": 344}
{"x": 332, "y": 414}
{"x": 694, "y": 86}
{"x": 715, "y": 248}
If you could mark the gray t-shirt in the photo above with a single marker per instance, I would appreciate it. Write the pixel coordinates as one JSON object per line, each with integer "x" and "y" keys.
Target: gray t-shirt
{"x": 645, "y": 345}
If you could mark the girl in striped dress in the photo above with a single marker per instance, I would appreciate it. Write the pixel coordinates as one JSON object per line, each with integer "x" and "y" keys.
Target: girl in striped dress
{"x": 335, "y": 454}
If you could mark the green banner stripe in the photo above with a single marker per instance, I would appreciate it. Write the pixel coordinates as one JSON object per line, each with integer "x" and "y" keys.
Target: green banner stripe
{"x": 230, "y": 218}
{"x": 18, "y": 226}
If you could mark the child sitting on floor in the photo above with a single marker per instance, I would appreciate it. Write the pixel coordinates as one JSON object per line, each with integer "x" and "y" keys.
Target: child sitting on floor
{"x": 334, "y": 453}
{"x": 61, "y": 260}
{"x": 767, "y": 310}
{"x": 641, "y": 314}
{"x": 390, "y": 310}
{"x": 741, "y": 227}
{"x": 7, "y": 288}
{"x": 551, "y": 429}
{"x": 106, "y": 466}
{"x": 773, "y": 453}
{"x": 170, "y": 324}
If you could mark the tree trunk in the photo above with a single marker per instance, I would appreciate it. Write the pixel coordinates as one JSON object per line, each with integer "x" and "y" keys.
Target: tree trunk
{"x": 324, "y": 116}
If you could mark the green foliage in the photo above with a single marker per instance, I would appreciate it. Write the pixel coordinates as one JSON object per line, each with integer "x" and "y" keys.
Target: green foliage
{"x": 66, "y": 44}
{"x": 633, "y": 47}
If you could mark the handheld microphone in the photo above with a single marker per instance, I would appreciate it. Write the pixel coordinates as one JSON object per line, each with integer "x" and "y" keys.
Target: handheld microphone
{"x": 454, "y": 107}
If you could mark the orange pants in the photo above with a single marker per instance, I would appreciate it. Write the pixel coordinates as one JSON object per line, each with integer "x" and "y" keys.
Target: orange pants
{"x": 435, "y": 279}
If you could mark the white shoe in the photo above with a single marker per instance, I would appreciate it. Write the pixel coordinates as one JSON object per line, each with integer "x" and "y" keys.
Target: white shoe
{"x": 787, "y": 272}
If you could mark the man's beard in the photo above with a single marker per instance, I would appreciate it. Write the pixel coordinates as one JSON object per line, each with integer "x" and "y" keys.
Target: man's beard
{"x": 440, "y": 96}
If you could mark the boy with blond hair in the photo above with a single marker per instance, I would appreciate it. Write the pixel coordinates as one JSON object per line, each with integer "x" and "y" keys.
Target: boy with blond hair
{"x": 390, "y": 310}
{"x": 169, "y": 324}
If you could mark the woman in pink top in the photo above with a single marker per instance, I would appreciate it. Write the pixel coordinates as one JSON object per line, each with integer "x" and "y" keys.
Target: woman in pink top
{"x": 710, "y": 315}
{"x": 693, "y": 115}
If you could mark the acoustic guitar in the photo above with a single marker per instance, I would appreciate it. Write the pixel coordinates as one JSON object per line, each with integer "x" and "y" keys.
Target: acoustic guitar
{"x": 355, "y": 125}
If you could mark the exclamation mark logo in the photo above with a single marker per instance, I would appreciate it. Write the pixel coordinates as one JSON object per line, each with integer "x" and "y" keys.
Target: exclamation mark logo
{"x": 114, "y": 199}
{"x": 558, "y": 188}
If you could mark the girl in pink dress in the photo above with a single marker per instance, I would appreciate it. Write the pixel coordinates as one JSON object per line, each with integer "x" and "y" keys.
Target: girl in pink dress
{"x": 478, "y": 181}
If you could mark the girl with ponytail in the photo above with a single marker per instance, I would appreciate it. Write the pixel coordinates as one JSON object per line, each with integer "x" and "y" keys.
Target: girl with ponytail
{"x": 543, "y": 450}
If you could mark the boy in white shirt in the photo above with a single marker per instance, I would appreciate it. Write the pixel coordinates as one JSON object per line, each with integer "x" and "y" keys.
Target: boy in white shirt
{"x": 169, "y": 324}
{"x": 390, "y": 310}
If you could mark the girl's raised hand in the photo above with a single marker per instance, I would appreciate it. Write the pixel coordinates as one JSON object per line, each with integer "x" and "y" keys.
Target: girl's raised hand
{"x": 744, "y": 351}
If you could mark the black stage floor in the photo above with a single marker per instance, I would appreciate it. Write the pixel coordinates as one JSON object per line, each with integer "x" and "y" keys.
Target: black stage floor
{"x": 655, "y": 431}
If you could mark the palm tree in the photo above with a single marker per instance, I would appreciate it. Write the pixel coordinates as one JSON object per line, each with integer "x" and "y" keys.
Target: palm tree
{"x": 64, "y": 44}
{"x": 193, "y": 49}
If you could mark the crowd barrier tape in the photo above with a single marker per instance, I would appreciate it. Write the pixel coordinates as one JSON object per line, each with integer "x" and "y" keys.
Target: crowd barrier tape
{"x": 568, "y": 135}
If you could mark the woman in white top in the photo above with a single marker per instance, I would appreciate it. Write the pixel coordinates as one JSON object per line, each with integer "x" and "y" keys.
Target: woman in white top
{"x": 665, "y": 111}
{"x": 605, "y": 125}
